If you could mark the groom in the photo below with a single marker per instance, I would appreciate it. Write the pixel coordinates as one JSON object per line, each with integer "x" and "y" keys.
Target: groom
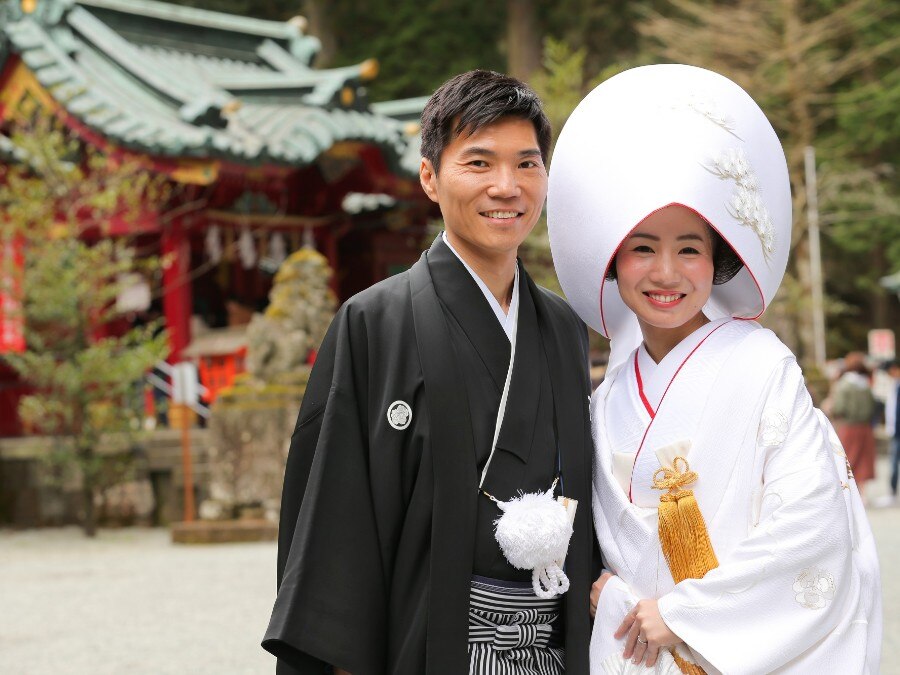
{"x": 387, "y": 558}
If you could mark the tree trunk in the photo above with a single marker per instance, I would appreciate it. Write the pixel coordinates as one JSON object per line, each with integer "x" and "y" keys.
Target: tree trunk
{"x": 316, "y": 13}
{"x": 90, "y": 513}
{"x": 83, "y": 446}
{"x": 880, "y": 300}
{"x": 523, "y": 44}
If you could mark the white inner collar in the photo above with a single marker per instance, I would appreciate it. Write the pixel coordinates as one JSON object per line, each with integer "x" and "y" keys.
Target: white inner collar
{"x": 656, "y": 377}
{"x": 508, "y": 320}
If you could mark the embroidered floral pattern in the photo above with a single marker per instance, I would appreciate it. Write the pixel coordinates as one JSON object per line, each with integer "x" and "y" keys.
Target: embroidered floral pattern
{"x": 711, "y": 111}
{"x": 768, "y": 505}
{"x": 707, "y": 108}
{"x": 773, "y": 428}
{"x": 814, "y": 588}
{"x": 746, "y": 204}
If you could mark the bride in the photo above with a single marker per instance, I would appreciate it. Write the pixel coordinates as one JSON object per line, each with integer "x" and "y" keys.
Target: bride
{"x": 732, "y": 531}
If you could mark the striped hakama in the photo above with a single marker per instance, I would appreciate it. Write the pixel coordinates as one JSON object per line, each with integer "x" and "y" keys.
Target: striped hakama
{"x": 512, "y": 631}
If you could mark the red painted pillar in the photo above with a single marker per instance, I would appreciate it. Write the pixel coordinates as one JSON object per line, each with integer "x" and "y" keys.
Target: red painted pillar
{"x": 12, "y": 320}
{"x": 176, "y": 251}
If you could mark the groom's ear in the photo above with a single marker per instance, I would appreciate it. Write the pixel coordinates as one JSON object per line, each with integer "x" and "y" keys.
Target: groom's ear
{"x": 428, "y": 179}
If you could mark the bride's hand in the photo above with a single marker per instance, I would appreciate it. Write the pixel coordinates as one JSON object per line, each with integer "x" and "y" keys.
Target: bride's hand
{"x": 645, "y": 633}
{"x": 597, "y": 589}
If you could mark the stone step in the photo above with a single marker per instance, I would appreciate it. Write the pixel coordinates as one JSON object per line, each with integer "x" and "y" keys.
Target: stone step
{"x": 223, "y": 531}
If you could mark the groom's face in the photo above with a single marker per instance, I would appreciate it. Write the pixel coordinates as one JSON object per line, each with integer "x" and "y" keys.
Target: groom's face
{"x": 491, "y": 186}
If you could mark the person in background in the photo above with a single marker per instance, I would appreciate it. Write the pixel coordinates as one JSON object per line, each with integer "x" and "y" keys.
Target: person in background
{"x": 852, "y": 409}
{"x": 892, "y": 427}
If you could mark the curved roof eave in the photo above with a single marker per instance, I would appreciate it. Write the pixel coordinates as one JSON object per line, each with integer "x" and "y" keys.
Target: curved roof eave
{"x": 77, "y": 59}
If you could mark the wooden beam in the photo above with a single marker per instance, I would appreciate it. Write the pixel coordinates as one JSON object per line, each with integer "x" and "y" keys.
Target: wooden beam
{"x": 274, "y": 221}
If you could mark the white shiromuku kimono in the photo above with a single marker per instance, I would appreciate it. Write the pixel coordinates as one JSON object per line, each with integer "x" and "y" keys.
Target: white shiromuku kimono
{"x": 797, "y": 586}
{"x": 796, "y": 589}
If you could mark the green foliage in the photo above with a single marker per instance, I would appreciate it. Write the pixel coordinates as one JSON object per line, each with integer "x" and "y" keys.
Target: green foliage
{"x": 58, "y": 199}
{"x": 606, "y": 31}
{"x": 564, "y": 80}
{"x": 825, "y": 72}
{"x": 863, "y": 213}
{"x": 418, "y": 45}
{"x": 273, "y": 10}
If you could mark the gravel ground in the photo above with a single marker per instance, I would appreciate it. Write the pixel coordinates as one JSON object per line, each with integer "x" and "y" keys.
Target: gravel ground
{"x": 886, "y": 526}
{"x": 132, "y": 602}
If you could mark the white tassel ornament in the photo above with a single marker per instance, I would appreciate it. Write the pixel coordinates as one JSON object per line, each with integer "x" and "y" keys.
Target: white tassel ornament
{"x": 534, "y": 533}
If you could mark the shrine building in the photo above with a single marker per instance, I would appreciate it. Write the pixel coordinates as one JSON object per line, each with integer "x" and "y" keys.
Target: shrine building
{"x": 268, "y": 153}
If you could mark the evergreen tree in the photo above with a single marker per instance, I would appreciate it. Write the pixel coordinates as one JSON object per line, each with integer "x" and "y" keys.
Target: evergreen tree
{"x": 59, "y": 200}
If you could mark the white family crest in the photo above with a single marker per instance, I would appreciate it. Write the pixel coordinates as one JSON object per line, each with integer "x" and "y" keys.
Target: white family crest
{"x": 814, "y": 588}
{"x": 399, "y": 415}
{"x": 773, "y": 428}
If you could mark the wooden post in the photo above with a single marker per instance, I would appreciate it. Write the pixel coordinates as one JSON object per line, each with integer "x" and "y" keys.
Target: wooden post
{"x": 186, "y": 464}
{"x": 184, "y": 393}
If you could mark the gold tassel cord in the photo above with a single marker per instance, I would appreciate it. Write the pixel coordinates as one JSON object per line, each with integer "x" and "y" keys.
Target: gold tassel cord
{"x": 676, "y": 544}
{"x": 686, "y": 666}
{"x": 682, "y": 533}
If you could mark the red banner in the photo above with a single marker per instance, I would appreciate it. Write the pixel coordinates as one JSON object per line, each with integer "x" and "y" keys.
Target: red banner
{"x": 12, "y": 321}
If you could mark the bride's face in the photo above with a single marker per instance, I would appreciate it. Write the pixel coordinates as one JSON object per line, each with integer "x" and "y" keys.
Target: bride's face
{"x": 664, "y": 270}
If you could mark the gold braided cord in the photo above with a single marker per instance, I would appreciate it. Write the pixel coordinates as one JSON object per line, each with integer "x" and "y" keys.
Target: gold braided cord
{"x": 686, "y": 666}
{"x": 674, "y": 477}
{"x": 682, "y": 533}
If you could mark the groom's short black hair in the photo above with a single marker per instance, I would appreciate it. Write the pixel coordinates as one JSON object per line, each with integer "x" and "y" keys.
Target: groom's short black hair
{"x": 474, "y": 100}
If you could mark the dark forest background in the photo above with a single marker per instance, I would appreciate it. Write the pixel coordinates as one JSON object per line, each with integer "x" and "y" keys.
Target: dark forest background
{"x": 825, "y": 71}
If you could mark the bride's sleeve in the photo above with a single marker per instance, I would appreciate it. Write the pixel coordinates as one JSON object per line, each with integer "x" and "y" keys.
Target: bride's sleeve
{"x": 791, "y": 581}
{"x": 615, "y": 601}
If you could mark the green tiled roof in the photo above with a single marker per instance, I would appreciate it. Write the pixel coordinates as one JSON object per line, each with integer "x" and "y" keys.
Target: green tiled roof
{"x": 409, "y": 109}
{"x": 182, "y": 82}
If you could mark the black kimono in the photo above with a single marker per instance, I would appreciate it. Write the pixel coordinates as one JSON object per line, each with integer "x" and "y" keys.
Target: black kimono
{"x": 383, "y": 527}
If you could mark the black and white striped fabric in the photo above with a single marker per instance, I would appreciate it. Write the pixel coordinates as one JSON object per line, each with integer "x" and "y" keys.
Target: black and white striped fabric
{"x": 512, "y": 631}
